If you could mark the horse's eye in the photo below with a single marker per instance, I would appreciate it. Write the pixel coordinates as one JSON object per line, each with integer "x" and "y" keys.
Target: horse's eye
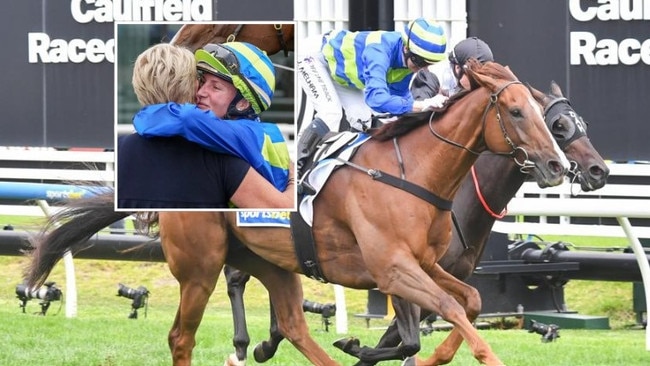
{"x": 516, "y": 112}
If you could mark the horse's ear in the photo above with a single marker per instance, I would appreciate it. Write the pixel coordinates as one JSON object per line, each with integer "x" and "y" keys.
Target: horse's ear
{"x": 555, "y": 89}
{"x": 530, "y": 87}
{"x": 538, "y": 95}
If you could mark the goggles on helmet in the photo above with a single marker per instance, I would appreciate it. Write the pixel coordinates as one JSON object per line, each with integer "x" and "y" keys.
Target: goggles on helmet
{"x": 419, "y": 61}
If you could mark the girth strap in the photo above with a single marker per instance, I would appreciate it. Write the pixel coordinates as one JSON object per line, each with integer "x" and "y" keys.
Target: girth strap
{"x": 305, "y": 246}
{"x": 411, "y": 188}
{"x": 402, "y": 184}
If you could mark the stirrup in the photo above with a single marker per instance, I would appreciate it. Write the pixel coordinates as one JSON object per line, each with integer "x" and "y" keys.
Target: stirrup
{"x": 304, "y": 188}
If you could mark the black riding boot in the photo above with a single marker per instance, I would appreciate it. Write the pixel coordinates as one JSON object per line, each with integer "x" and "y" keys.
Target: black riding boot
{"x": 307, "y": 144}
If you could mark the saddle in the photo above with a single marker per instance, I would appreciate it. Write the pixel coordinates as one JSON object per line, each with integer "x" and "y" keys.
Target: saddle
{"x": 332, "y": 145}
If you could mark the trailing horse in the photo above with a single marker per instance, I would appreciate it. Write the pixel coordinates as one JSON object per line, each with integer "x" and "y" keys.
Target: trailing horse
{"x": 357, "y": 245}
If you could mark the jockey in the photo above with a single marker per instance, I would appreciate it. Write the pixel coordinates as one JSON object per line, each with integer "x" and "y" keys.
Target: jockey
{"x": 448, "y": 77}
{"x": 237, "y": 81}
{"x": 361, "y": 73}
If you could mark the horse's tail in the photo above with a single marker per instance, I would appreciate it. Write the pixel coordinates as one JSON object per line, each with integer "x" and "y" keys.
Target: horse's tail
{"x": 69, "y": 229}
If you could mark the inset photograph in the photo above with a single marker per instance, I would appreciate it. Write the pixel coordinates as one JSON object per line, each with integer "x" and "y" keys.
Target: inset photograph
{"x": 205, "y": 116}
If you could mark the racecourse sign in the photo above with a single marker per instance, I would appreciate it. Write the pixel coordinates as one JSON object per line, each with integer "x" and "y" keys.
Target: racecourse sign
{"x": 597, "y": 50}
{"x": 44, "y": 49}
{"x": 586, "y": 48}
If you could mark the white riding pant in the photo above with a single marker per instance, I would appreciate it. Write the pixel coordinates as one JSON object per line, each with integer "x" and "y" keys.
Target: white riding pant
{"x": 328, "y": 97}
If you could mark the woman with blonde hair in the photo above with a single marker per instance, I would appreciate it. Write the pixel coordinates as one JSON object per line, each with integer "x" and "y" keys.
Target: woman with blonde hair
{"x": 164, "y": 170}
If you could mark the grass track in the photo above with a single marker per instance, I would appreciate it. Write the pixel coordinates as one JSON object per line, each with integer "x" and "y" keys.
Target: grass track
{"x": 101, "y": 334}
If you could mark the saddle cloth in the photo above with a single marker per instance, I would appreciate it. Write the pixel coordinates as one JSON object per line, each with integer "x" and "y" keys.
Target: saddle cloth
{"x": 345, "y": 143}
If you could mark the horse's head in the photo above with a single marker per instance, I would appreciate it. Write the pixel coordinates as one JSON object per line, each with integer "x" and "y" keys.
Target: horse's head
{"x": 514, "y": 124}
{"x": 570, "y": 132}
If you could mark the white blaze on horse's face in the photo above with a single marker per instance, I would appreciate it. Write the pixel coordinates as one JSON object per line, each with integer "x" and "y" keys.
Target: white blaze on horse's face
{"x": 538, "y": 109}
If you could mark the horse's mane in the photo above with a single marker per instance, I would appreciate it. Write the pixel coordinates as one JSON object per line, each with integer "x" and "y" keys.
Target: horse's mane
{"x": 410, "y": 121}
{"x": 491, "y": 69}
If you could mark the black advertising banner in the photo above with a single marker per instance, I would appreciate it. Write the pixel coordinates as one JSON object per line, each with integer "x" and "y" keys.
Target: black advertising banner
{"x": 609, "y": 72}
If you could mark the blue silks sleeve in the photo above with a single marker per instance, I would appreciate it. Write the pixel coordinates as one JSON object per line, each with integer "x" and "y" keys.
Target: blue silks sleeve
{"x": 377, "y": 92}
{"x": 260, "y": 144}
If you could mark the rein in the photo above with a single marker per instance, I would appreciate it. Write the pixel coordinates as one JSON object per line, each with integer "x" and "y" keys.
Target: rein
{"x": 278, "y": 31}
{"x": 280, "y": 34}
{"x": 579, "y": 132}
{"x": 486, "y": 207}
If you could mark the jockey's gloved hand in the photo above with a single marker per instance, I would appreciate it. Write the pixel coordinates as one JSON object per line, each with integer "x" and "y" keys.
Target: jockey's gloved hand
{"x": 434, "y": 102}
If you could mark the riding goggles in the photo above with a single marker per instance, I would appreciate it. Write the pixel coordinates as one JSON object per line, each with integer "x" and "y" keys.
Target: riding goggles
{"x": 419, "y": 61}
{"x": 222, "y": 62}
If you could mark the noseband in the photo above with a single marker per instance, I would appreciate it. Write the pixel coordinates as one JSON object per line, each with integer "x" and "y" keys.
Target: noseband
{"x": 525, "y": 165}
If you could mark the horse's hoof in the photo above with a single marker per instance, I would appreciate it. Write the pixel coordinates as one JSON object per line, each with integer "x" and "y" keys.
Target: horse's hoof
{"x": 260, "y": 354}
{"x": 345, "y": 344}
{"x": 410, "y": 361}
{"x": 234, "y": 361}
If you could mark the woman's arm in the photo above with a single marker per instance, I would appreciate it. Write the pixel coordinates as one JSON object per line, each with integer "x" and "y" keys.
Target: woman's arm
{"x": 255, "y": 192}
{"x": 248, "y": 140}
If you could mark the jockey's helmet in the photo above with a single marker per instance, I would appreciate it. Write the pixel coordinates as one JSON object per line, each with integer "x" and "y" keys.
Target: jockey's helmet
{"x": 247, "y": 67}
{"x": 425, "y": 38}
{"x": 472, "y": 47}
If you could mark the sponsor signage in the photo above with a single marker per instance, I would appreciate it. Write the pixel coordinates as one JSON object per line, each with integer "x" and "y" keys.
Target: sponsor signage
{"x": 598, "y": 52}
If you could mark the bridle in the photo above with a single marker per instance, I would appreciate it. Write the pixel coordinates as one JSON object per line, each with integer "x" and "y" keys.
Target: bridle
{"x": 555, "y": 109}
{"x": 550, "y": 119}
{"x": 278, "y": 31}
{"x": 562, "y": 107}
{"x": 525, "y": 165}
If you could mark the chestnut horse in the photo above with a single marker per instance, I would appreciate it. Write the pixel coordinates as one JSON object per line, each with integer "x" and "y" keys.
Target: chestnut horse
{"x": 395, "y": 249}
{"x": 480, "y": 200}
{"x": 394, "y": 261}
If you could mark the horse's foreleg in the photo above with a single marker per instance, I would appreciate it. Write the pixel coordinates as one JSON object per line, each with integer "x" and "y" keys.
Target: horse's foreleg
{"x": 264, "y": 351}
{"x": 415, "y": 285}
{"x": 287, "y": 298}
{"x": 469, "y": 298}
{"x": 236, "y": 283}
{"x": 285, "y": 292}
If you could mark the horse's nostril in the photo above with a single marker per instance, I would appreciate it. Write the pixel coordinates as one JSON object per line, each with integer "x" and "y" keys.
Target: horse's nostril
{"x": 557, "y": 167}
{"x": 597, "y": 172}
